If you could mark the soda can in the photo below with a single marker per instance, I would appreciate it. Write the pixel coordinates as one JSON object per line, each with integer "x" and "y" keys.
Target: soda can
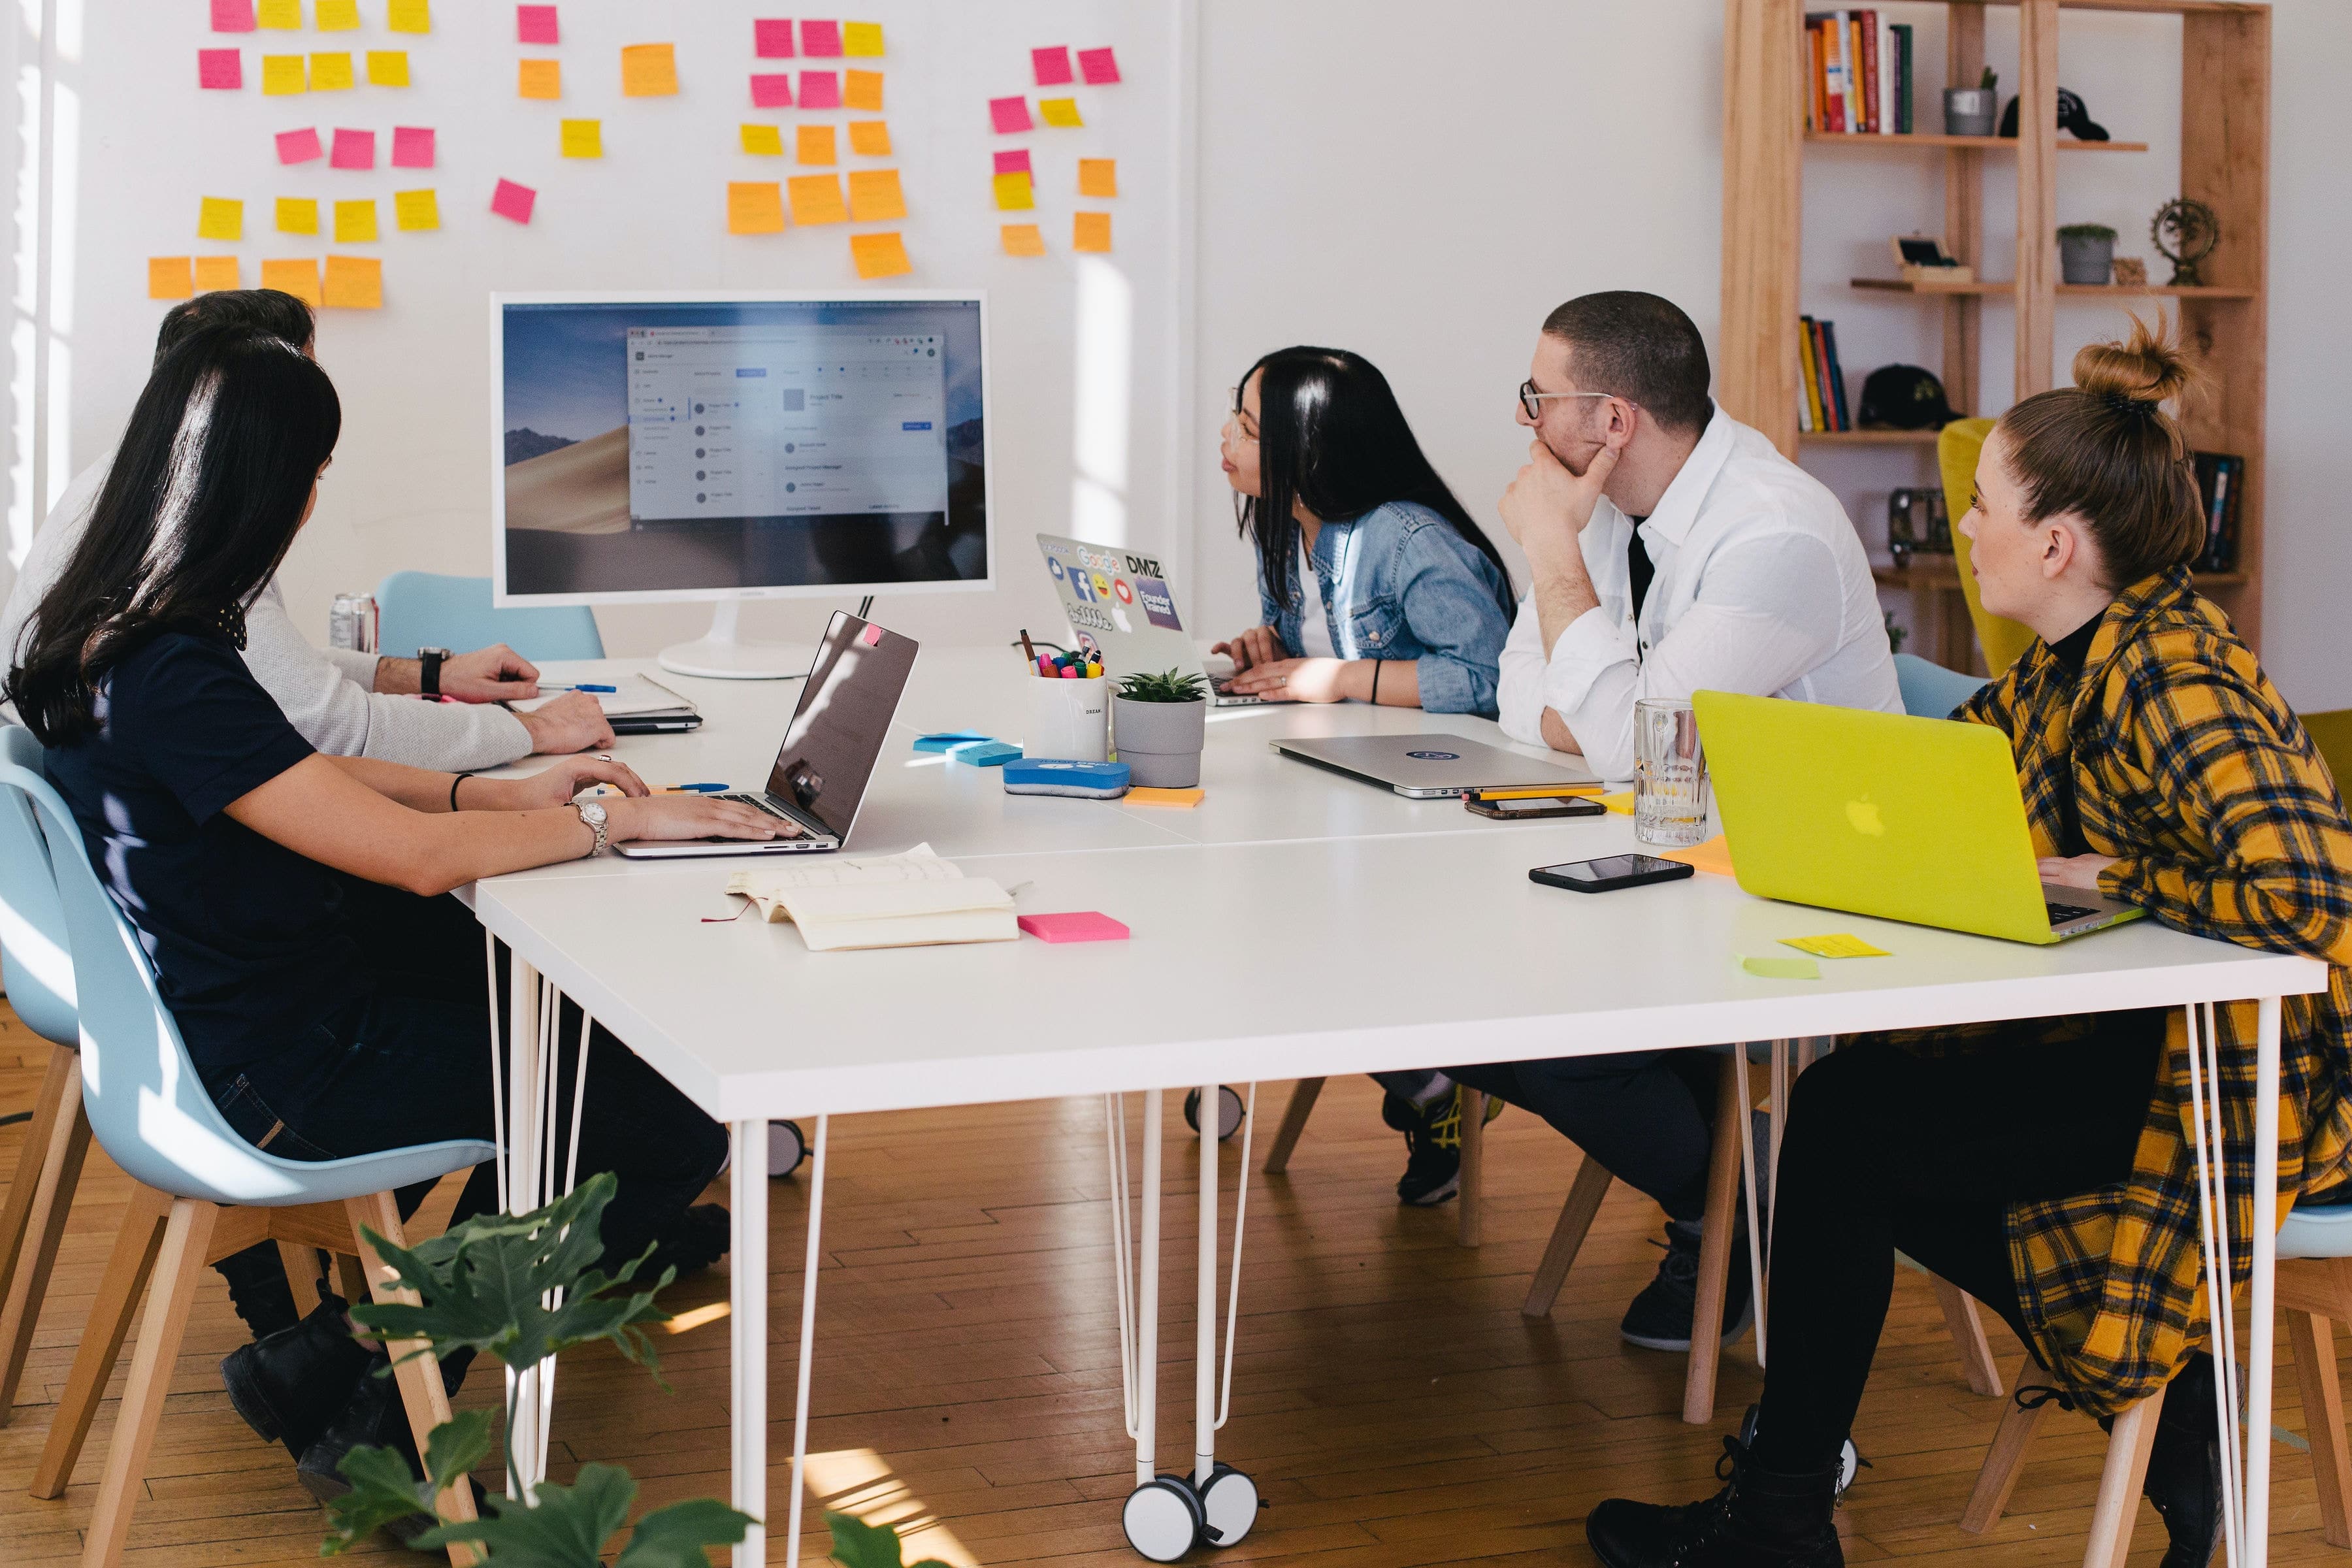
{"x": 352, "y": 623}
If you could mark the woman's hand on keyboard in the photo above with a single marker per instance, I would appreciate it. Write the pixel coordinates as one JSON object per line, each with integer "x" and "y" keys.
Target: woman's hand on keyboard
{"x": 679, "y": 816}
{"x": 2075, "y": 870}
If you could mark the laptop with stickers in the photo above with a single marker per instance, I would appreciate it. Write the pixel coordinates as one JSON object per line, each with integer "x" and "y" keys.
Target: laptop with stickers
{"x": 1121, "y": 608}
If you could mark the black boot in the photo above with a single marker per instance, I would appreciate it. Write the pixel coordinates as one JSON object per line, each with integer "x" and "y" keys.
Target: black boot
{"x": 288, "y": 1386}
{"x": 690, "y": 1244}
{"x": 373, "y": 1417}
{"x": 1762, "y": 1519}
{"x": 2184, "y": 1466}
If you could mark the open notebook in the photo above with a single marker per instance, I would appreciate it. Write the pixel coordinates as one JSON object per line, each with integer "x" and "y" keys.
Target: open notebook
{"x": 637, "y": 702}
{"x": 914, "y": 900}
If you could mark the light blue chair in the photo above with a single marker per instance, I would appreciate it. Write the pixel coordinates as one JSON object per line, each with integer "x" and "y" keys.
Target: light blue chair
{"x": 202, "y": 1192}
{"x": 1929, "y": 690}
{"x": 425, "y": 609}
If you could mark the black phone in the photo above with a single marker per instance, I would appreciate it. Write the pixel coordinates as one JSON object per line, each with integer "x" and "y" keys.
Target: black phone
{"x": 1526, "y": 808}
{"x": 1609, "y": 873}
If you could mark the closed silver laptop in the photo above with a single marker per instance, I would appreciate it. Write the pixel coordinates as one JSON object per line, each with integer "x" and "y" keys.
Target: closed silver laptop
{"x": 1431, "y": 767}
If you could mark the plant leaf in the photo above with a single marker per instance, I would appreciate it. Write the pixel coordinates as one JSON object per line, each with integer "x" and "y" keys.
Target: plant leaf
{"x": 383, "y": 1489}
{"x": 857, "y": 1544}
{"x": 455, "y": 1448}
{"x": 680, "y": 1535}
{"x": 567, "y": 1529}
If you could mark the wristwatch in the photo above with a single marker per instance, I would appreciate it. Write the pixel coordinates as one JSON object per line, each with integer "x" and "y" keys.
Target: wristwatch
{"x": 429, "y": 675}
{"x": 593, "y": 815}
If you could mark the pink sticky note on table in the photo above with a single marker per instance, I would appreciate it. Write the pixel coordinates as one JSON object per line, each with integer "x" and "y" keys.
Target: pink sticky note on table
{"x": 1053, "y": 66}
{"x": 821, "y": 40}
{"x": 232, "y": 15}
{"x": 1009, "y": 115}
{"x": 412, "y": 146}
{"x": 819, "y": 89}
{"x": 771, "y": 91}
{"x": 298, "y": 146}
{"x": 221, "y": 68}
{"x": 771, "y": 37}
{"x": 1014, "y": 163}
{"x": 1099, "y": 67}
{"x": 513, "y": 201}
{"x": 353, "y": 150}
{"x": 1084, "y": 925}
{"x": 536, "y": 24}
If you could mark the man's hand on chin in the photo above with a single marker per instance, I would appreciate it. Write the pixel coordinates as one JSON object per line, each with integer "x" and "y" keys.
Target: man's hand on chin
{"x": 1546, "y": 506}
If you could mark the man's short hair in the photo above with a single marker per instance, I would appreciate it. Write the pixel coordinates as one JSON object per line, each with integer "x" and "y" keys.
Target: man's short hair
{"x": 1638, "y": 347}
{"x": 263, "y": 309}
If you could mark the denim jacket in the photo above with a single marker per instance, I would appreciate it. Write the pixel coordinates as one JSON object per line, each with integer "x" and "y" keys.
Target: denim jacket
{"x": 1400, "y": 584}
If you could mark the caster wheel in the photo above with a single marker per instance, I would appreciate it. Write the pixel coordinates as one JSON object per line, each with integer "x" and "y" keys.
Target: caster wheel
{"x": 1162, "y": 1519}
{"x": 1229, "y": 1111}
{"x": 1849, "y": 1466}
{"x": 786, "y": 1148}
{"x": 1228, "y": 1505}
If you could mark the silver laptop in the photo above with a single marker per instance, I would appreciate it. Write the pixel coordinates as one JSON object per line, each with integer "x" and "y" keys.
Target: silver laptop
{"x": 822, "y": 770}
{"x": 1120, "y": 605}
{"x": 1433, "y": 767}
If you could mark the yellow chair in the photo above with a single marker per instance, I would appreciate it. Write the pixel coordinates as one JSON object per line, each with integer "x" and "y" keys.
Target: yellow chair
{"x": 2332, "y": 734}
{"x": 1956, "y": 447}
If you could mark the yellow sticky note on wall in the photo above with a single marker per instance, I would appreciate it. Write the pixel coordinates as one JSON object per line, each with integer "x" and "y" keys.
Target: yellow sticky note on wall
{"x": 583, "y": 138}
{"x": 1015, "y": 192}
{"x": 338, "y": 15}
{"x": 539, "y": 79}
{"x": 754, "y": 207}
{"x": 298, "y": 214}
{"x": 409, "y": 17}
{"x": 214, "y": 273}
{"x": 869, "y": 137}
{"x": 170, "y": 278}
{"x": 299, "y": 278}
{"x": 1090, "y": 231}
{"x": 330, "y": 72}
{"x": 354, "y": 222}
{"x": 763, "y": 141}
{"x": 1063, "y": 112}
{"x": 387, "y": 67}
{"x": 1023, "y": 240}
{"x": 282, "y": 74}
{"x": 880, "y": 255}
{"x": 861, "y": 39}
{"x": 816, "y": 198}
{"x": 415, "y": 210}
{"x": 279, "y": 16}
{"x": 875, "y": 196}
{"x": 862, "y": 90}
{"x": 815, "y": 146}
{"x": 220, "y": 217}
{"x": 354, "y": 283}
{"x": 648, "y": 70}
{"x": 1097, "y": 176}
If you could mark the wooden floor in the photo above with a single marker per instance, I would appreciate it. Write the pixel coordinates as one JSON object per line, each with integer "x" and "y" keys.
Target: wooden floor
{"x": 1393, "y": 1406}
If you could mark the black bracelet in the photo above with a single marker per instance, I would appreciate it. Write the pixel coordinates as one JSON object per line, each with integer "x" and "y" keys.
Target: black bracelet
{"x": 453, "y": 782}
{"x": 1375, "y": 683}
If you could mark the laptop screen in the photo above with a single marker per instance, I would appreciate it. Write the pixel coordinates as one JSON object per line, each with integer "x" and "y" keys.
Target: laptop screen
{"x": 845, "y": 713}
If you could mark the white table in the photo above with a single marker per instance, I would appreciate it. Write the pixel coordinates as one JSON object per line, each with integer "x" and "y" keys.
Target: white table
{"x": 1411, "y": 937}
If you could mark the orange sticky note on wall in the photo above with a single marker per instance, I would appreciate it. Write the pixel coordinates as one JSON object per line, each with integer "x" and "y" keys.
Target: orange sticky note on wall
{"x": 354, "y": 283}
{"x": 1097, "y": 176}
{"x": 874, "y": 196}
{"x": 1090, "y": 231}
{"x": 879, "y": 255}
{"x": 763, "y": 141}
{"x": 815, "y": 145}
{"x": 1023, "y": 240}
{"x": 754, "y": 207}
{"x": 816, "y": 198}
{"x": 539, "y": 79}
{"x": 216, "y": 272}
{"x": 299, "y": 278}
{"x": 220, "y": 217}
{"x": 869, "y": 137}
{"x": 648, "y": 70}
{"x": 862, "y": 90}
{"x": 1015, "y": 192}
{"x": 170, "y": 278}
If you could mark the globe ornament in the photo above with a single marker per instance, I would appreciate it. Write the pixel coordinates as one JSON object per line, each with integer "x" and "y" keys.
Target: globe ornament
{"x": 2184, "y": 233}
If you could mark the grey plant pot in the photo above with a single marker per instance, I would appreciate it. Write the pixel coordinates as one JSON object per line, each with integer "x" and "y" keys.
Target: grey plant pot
{"x": 2083, "y": 259}
{"x": 1971, "y": 111}
{"x": 1161, "y": 741}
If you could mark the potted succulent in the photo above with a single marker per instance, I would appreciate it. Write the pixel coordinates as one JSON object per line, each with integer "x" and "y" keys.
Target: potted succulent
{"x": 1159, "y": 724}
{"x": 1972, "y": 110}
{"x": 2086, "y": 252}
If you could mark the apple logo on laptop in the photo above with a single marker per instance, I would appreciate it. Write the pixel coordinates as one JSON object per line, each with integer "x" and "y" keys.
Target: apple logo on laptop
{"x": 1435, "y": 756}
{"x": 1863, "y": 814}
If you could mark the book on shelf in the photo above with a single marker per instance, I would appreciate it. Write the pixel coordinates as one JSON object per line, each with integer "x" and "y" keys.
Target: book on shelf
{"x": 1823, "y": 407}
{"x": 1861, "y": 73}
{"x": 2221, "y": 479}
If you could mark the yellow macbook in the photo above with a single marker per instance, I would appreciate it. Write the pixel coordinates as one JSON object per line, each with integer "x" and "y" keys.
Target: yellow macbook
{"x": 1875, "y": 814}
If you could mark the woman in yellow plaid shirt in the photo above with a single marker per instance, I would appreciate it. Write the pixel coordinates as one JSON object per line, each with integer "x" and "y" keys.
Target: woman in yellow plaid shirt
{"x": 2046, "y": 1166}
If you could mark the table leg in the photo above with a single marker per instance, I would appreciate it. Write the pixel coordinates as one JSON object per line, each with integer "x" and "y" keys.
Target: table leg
{"x": 2260, "y": 1348}
{"x": 747, "y": 1327}
{"x": 525, "y": 1053}
{"x": 808, "y": 1341}
{"x": 1147, "y": 1295}
{"x": 1204, "y": 1347}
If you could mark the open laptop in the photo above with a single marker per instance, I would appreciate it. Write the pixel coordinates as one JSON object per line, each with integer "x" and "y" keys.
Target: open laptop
{"x": 1875, "y": 814}
{"x": 1433, "y": 767}
{"x": 819, "y": 781}
{"x": 1120, "y": 605}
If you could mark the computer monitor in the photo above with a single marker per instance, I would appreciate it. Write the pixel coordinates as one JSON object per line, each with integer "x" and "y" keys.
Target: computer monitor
{"x": 649, "y": 448}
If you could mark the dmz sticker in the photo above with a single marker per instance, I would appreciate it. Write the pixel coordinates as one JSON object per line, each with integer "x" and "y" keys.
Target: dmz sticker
{"x": 1159, "y": 603}
{"x": 1435, "y": 756}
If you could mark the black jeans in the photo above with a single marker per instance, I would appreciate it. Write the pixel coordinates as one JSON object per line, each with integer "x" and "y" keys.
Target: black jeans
{"x": 1884, "y": 1150}
{"x": 1647, "y": 1116}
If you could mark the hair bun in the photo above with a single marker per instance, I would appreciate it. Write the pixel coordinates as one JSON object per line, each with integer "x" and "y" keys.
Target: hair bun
{"x": 2149, "y": 368}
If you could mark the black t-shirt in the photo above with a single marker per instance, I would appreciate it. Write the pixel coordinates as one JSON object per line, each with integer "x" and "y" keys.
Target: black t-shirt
{"x": 247, "y": 937}
{"x": 1639, "y": 568}
{"x": 2070, "y": 652}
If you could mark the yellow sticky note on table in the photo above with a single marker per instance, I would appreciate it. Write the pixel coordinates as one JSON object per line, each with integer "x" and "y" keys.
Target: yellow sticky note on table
{"x": 298, "y": 214}
{"x": 1024, "y": 239}
{"x": 1063, "y": 112}
{"x": 539, "y": 79}
{"x": 354, "y": 222}
{"x": 338, "y": 15}
{"x": 862, "y": 90}
{"x": 1097, "y": 176}
{"x": 415, "y": 210}
{"x": 583, "y": 138}
{"x": 1015, "y": 192}
{"x": 354, "y": 283}
{"x": 299, "y": 278}
{"x": 387, "y": 67}
{"x": 1184, "y": 799}
{"x": 869, "y": 137}
{"x": 648, "y": 70}
{"x": 330, "y": 72}
{"x": 1090, "y": 232}
{"x": 763, "y": 141}
{"x": 879, "y": 255}
{"x": 816, "y": 198}
{"x": 815, "y": 146}
{"x": 214, "y": 273}
{"x": 279, "y": 16}
{"x": 1838, "y": 944}
{"x": 1714, "y": 856}
{"x": 170, "y": 278}
{"x": 408, "y": 16}
{"x": 875, "y": 196}
{"x": 1781, "y": 968}
{"x": 282, "y": 74}
{"x": 754, "y": 207}
{"x": 1621, "y": 803}
{"x": 220, "y": 217}
{"x": 861, "y": 40}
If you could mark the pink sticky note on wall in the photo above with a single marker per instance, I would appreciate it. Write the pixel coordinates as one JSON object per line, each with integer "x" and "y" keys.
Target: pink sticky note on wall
{"x": 536, "y": 24}
{"x": 819, "y": 89}
{"x": 221, "y": 68}
{"x": 771, "y": 37}
{"x": 1086, "y": 925}
{"x": 1014, "y": 163}
{"x": 232, "y": 15}
{"x": 513, "y": 201}
{"x": 412, "y": 146}
{"x": 353, "y": 150}
{"x": 1009, "y": 115}
{"x": 298, "y": 146}
{"x": 771, "y": 91}
{"x": 821, "y": 40}
{"x": 1053, "y": 66}
{"x": 1100, "y": 67}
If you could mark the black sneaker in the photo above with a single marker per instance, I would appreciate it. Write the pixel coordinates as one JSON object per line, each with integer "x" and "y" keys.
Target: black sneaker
{"x": 1660, "y": 1317}
{"x": 289, "y": 1385}
{"x": 1433, "y": 1143}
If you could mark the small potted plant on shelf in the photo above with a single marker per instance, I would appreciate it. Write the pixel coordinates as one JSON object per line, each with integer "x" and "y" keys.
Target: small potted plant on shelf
{"x": 2086, "y": 252}
{"x": 1159, "y": 724}
{"x": 1972, "y": 110}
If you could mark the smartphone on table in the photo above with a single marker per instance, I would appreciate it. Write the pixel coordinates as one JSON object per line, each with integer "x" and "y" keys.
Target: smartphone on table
{"x": 1530, "y": 808}
{"x": 1609, "y": 873}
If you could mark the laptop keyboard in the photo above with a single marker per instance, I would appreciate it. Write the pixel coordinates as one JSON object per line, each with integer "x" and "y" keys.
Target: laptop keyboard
{"x": 2060, "y": 914}
{"x": 759, "y": 803}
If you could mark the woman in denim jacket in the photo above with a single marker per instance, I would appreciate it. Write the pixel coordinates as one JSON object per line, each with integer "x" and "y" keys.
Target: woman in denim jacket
{"x": 1413, "y": 604}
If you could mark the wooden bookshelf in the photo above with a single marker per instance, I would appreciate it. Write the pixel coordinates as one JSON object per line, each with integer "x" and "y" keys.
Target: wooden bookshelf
{"x": 2224, "y": 163}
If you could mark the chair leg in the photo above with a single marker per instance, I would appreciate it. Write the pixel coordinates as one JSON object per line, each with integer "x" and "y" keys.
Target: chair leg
{"x": 1294, "y": 1122}
{"x": 2313, "y": 1338}
{"x": 2005, "y": 1461}
{"x": 119, "y": 1290}
{"x": 54, "y": 1145}
{"x": 1960, "y": 1316}
{"x": 1470, "y": 1218}
{"x": 2119, "y": 1484}
{"x": 1715, "y": 1233}
{"x": 1576, "y": 1217}
{"x": 301, "y": 1265}
{"x": 419, "y": 1374}
{"x": 179, "y": 1265}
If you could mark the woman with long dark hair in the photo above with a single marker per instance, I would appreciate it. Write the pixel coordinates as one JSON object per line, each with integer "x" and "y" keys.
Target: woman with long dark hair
{"x": 1374, "y": 584}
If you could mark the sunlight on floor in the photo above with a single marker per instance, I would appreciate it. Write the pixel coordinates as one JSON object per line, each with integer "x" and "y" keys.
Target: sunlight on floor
{"x": 859, "y": 1483}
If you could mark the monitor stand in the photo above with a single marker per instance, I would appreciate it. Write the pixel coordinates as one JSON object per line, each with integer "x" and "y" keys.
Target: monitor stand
{"x": 719, "y": 656}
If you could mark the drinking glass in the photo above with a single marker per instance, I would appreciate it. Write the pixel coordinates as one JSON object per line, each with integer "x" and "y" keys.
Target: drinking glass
{"x": 1670, "y": 784}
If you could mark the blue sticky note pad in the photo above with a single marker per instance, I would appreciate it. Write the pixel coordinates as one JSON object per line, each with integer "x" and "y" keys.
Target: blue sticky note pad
{"x": 1087, "y": 781}
{"x": 949, "y": 740}
{"x": 982, "y": 753}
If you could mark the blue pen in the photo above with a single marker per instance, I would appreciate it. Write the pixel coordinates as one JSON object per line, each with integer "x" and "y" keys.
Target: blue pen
{"x": 697, "y": 789}
{"x": 584, "y": 686}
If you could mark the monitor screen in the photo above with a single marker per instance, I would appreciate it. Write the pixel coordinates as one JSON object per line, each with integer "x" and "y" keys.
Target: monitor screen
{"x": 667, "y": 446}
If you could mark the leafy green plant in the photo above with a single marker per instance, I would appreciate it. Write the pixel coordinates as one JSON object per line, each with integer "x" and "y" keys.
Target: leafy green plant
{"x": 1169, "y": 688}
{"x": 857, "y": 1544}
{"x": 1989, "y": 80}
{"x": 521, "y": 1287}
{"x": 2085, "y": 231}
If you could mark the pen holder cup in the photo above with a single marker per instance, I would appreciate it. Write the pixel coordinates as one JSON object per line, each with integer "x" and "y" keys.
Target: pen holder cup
{"x": 1068, "y": 720}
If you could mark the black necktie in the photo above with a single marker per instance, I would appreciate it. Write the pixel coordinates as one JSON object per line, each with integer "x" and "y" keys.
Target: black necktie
{"x": 1639, "y": 568}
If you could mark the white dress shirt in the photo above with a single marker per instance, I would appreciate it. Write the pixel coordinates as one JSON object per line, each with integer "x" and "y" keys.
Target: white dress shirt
{"x": 328, "y": 695}
{"x": 1763, "y": 587}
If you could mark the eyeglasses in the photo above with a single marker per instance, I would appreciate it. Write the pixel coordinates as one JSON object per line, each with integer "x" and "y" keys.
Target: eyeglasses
{"x": 1533, "y": 401}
